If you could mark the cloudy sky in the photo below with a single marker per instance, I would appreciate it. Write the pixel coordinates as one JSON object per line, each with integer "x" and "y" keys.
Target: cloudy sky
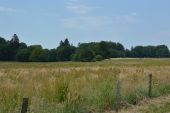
{"x": 46, "y": 22}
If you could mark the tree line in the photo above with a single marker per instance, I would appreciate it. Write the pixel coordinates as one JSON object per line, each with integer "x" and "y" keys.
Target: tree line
{"x": 14, "y": 50}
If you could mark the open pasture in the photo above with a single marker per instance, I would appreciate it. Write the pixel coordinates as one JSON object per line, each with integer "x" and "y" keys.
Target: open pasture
{"x": 79, "y": 87}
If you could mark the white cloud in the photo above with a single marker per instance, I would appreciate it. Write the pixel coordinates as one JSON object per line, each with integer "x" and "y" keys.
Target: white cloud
{"x": 75, "y": 6}
{"x": 10, "y": 10}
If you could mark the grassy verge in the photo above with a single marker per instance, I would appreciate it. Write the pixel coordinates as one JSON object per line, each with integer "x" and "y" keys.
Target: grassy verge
{"x": 165, "y": 108}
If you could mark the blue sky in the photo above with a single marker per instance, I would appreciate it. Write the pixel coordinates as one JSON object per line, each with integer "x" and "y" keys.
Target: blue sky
{"x": 46, "y": 22}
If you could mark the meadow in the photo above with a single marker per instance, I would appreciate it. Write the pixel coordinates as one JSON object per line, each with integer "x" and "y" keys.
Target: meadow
{"x": 80, "y": 87}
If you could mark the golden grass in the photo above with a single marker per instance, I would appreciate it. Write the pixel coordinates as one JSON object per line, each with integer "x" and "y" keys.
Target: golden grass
{"x": 75, "y": 87}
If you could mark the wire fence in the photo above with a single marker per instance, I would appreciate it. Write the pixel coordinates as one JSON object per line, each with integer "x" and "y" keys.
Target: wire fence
{"x": 25, "y": 101}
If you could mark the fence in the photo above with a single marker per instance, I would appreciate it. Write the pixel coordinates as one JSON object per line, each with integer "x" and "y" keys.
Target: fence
{"x": 118, "y": 96}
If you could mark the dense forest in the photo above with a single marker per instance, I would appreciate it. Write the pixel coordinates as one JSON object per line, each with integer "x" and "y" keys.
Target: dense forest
{"x": 14, "y": 50}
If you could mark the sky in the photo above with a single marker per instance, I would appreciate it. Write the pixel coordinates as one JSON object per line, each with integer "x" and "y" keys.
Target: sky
{"x": 46, "y": 22}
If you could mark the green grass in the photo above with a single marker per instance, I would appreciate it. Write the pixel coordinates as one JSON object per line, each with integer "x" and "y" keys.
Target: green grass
{"x": 76, "y": 87}
{"x": 165, "y": 108}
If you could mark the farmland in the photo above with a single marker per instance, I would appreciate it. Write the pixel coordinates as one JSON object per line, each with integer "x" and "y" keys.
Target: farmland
{"x": 79, "y": 87}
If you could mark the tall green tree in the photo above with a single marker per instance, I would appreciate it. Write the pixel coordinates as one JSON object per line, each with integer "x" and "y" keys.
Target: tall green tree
{"x": 13, "y": 46}
{"x": 104, "y": 49}
{"x": 52, "y": 55}
{"x": 162, "y": 51}
{"x": 38, "y": 55}
{"x": 66, "y": 42}
{"x": 120, "y": 47}
{"x": 22, "y": 45}
{"x": 84, "y": 53}
{"x": 2, "y": 41}
{"x": 65, "y": 51}
{"x": 23, "y": 55}
{"x": 11, "y": 50}
{"x": 3, "y": 50}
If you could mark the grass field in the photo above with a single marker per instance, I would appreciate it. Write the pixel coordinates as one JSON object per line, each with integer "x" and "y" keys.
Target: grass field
{"x": 76, "y": 87}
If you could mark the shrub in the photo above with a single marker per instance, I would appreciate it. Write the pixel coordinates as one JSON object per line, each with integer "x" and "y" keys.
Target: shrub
{"x": 98, "y": 58}
{"x": 38, "y": 55}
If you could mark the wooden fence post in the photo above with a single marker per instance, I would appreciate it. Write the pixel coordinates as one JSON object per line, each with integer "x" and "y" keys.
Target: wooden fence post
{"x": 150, "y": 86}
{"x": 118, "y": 96}
{"x": 24, "y": 105}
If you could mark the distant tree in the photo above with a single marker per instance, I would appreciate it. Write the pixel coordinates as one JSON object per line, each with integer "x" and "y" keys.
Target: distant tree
{"x": 87, "y": 55}
{"x": 65, "y": 51}
{"x": 121, "y": 54}
{"x": 98, "y": 58}
{"x": 94, "y": 46}
{"x": 2, "y": 41}
{"x": 128, "y": 53}
{"x": 13, "y": 46}
{"x": 162, "y": 51}
{"x": 11, "y": 50}
{"x": 23, "y": 55}
{"x": 138, "y": 51}
{"x": 75, "y": 57}
{"x": 32, "y": 47}
{"x": 104, "y": 49}
{"x": 114, "y": 53}
{"x": 15, "y": 39}
{"x": 150, "y": 51}
{"x": 52, "y": 55}
{"x": 38, "y": 55}
{"x": 61, "y": 43}
{"x": 3, "y": 50}
{"x": 22, "y": 45}
{"x": 4, "y": 53}
{"x": 66, "y": 42}
{"x": 120, "y": 47}
{"x": 84, "y": 53}
{"x": 112, "y": 45}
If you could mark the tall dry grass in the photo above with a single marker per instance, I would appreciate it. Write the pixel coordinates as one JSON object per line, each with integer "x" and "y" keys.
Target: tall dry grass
{"x": 79, "y": 87}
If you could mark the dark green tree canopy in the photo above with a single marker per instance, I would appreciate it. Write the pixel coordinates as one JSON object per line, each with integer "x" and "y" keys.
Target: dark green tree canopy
{"x": 52, "y": 55}
{"x": 14, "y": 50}
{"x": 84, "y": 53}
{"x": 23, "y": 55}
{"x": 22, "y": 45}
{"x": 38, "y": 55}
{"x": 65, "y": 51}
{"x": 160, "y": 51}
{"x": 14, "y": 40}
{"x": 66, "y": 42}
{"x": 2, "y": 41}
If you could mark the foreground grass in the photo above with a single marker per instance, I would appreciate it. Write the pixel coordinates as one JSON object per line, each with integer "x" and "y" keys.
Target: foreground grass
{"x": 165, "y": 108}
{"x": 153, "y": 105}
{"x": 74, "y": 87}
